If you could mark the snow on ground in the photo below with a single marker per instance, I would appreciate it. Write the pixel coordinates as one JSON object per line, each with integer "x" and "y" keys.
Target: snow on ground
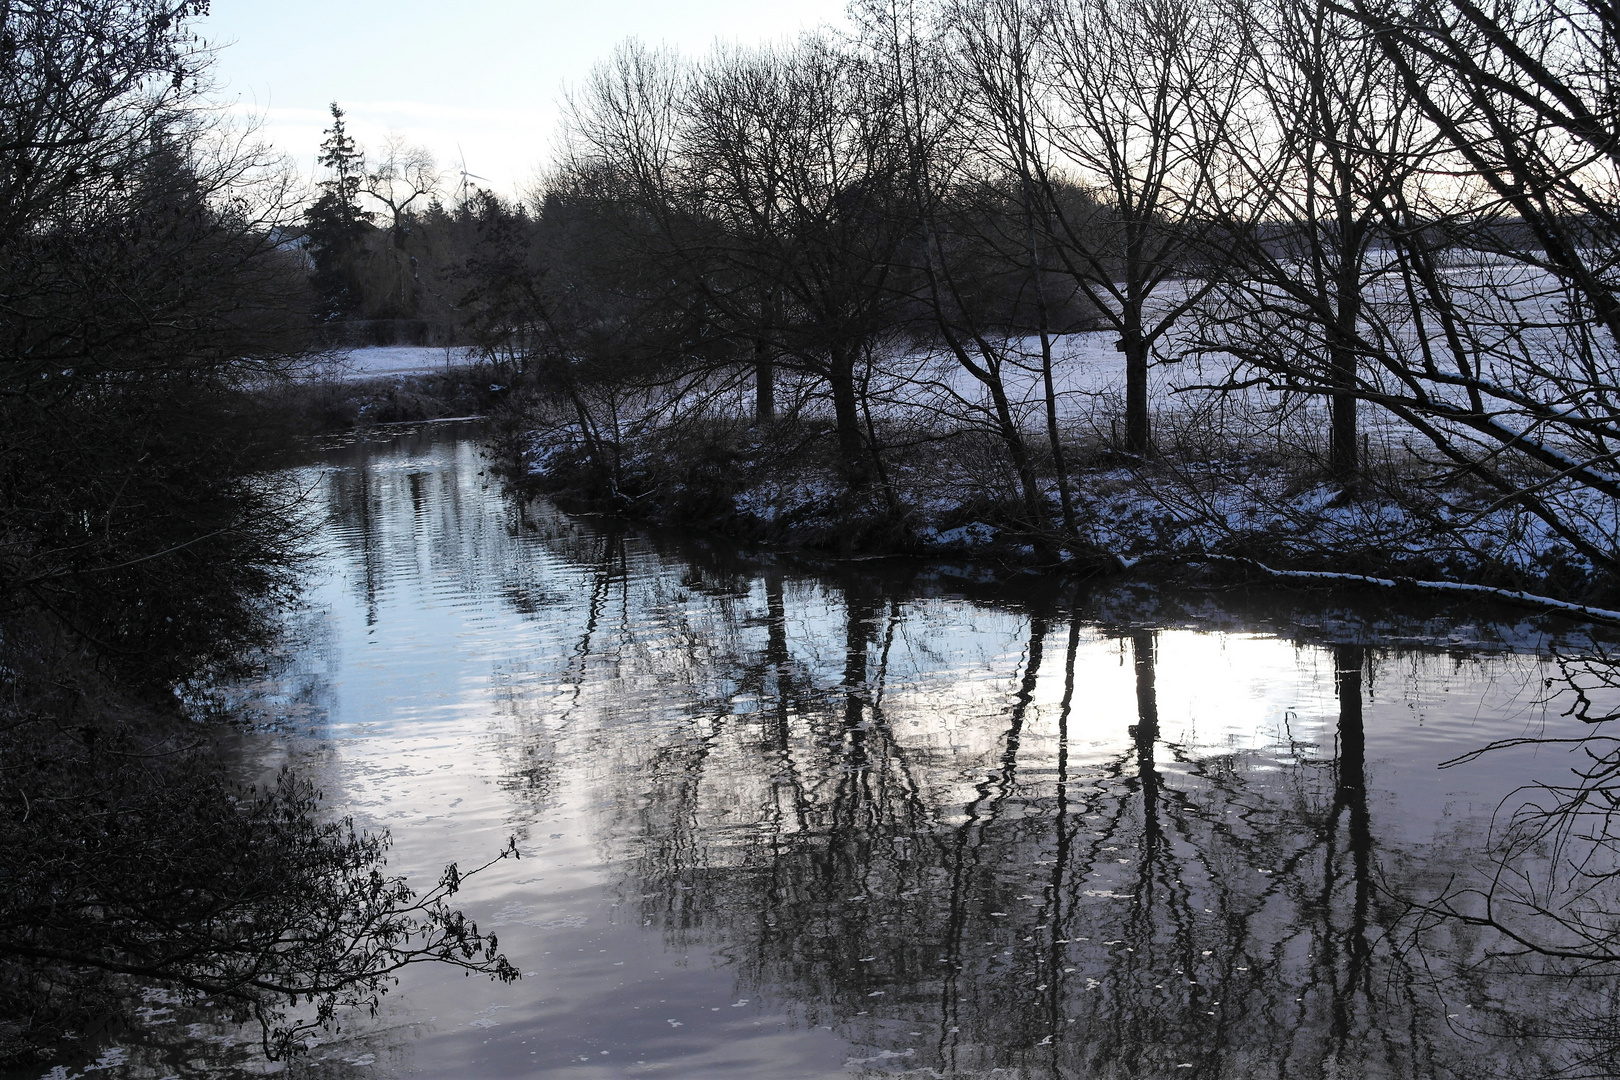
{"x": 383, "y": 361}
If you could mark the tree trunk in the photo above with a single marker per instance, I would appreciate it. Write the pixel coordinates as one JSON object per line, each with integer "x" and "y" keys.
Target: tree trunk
{"x": 603, "y": 465}
{"x": 1034, "y": 502}
{"x": 1344, "y": 456}
{"x": 764, "y": 384}
{"x": 765, "y": 365}
{"x": 1060, "y": 463}
{"x": 847, "y": 420}
{"x": 1138, "y": 435}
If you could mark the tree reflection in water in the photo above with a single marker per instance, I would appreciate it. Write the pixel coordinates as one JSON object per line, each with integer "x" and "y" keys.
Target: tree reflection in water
{"x": 1160, "y": 910}
{"x": 980, "y": 835}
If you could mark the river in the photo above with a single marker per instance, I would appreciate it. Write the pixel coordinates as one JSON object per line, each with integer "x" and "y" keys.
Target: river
{"x": 783, "y": 820}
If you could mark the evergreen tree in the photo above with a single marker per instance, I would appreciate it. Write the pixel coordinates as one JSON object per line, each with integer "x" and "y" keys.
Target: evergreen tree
{"x": 336, "y": 223}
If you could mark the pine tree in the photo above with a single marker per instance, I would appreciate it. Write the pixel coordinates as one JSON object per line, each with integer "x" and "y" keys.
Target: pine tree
{"x": 336, "y": 224}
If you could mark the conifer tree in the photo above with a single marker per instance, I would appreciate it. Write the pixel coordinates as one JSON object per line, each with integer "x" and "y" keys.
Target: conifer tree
{"x": 337, "y": 224}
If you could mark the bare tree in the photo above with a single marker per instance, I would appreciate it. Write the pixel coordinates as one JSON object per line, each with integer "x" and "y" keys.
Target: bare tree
{"x": 148, "y": 277}
{"x": 404, "y": 181}
{"x": 1333, "y": 142}
{"x": 1511, "y": 349}
{"x": 971, "y": 196}
{"x": 1528, "y": 97}
{"x": 1134, "y": 97}
{"x": 798, "y": 164}
{"x": 1438, "y": 238}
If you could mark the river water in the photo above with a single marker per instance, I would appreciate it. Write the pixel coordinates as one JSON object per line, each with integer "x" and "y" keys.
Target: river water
{"x": 779, "y": 820}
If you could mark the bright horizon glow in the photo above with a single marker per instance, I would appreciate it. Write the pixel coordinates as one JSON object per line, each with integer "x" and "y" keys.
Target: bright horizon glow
{"x": 484, "y": 82}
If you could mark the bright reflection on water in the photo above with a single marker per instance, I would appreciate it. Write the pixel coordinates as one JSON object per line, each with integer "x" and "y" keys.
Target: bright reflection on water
{"x": 776, "y": 824}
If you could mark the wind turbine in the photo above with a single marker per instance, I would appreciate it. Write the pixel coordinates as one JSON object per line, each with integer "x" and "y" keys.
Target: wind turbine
{"x": 461, "y": 194}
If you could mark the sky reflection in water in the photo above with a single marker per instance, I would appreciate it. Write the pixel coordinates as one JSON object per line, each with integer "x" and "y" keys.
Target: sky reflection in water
{"x": 777, "y": 824}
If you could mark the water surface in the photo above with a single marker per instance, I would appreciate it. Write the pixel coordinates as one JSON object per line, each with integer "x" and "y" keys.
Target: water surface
{"x": 784, "y": 821}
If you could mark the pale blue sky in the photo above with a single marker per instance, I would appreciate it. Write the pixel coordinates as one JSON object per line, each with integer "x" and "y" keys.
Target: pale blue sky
{"x": 487, "y": 74}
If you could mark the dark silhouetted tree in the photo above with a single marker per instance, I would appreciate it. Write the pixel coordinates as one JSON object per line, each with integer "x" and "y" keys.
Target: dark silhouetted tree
{"x": 336, "y": 223}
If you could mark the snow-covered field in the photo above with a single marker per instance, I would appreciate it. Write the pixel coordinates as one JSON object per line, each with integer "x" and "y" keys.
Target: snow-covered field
{"x": 1526, "y": 352}
{"x": 377, "y": 362}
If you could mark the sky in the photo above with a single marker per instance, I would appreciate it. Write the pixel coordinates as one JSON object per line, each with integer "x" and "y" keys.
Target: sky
{"x": 480, "y": 80}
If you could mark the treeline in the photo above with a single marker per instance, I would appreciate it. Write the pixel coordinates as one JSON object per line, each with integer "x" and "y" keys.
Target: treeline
{"x": 148, "y": 286}
{"x": 1402, "y": 213}
{"x": 383, "y": 252}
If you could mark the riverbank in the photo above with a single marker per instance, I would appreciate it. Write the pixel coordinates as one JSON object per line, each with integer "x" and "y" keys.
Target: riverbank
{"x": 1266, "y": 512}
{"x": 331, "y": 400}
{"x": 151, "y": 875}
{"x": 1198, "y": 509}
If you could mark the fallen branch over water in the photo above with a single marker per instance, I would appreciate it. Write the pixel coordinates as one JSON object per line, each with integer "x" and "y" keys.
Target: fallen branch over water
{"x": 1515, "y": 596}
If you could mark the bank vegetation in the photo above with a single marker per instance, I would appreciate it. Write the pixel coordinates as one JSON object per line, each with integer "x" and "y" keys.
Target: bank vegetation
{"x": 150, "y": 293}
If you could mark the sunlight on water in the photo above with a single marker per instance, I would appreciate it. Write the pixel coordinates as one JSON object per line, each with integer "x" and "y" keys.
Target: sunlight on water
{"x": 778, "y": 823}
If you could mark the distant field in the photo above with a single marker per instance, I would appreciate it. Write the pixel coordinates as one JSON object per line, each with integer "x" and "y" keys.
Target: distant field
{"x": 375, "y": 362}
